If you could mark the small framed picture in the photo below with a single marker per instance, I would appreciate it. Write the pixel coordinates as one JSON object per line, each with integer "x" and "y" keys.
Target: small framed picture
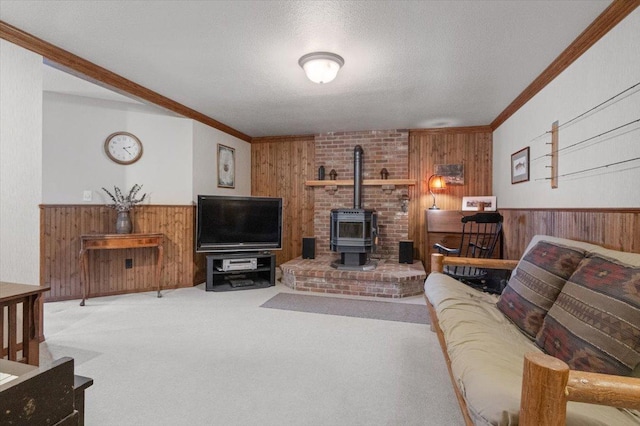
{"x": 226, "y": 167}
{"x": 453, "y": 174}
{"x": 471, "y": 204}
{"x": 520, "y": 166}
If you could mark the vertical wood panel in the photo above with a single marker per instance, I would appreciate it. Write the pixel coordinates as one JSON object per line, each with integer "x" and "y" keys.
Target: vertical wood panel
{"x": 470, "y": 146}
{"x": 279, "y": 168}
{"x": 614, "y": 229}
{"x": 60, "y": 246}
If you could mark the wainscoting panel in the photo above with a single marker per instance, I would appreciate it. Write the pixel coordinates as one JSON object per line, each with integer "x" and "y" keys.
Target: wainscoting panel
{"x": 62, "y": 226}
{"x": 617, "y": 229}
{"x": 279, "y": 168}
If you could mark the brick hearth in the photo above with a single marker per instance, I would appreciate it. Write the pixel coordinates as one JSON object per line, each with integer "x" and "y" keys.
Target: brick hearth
{"x": 389, "y": 279}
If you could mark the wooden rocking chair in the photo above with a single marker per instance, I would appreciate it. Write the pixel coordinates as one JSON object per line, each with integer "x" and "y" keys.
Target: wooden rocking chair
{"x": 480, "y": 235}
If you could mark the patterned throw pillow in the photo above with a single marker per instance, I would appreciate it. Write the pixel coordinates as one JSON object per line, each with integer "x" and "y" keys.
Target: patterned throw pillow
{"x": 594, "y": 325}
{"x": 538, "y": 280}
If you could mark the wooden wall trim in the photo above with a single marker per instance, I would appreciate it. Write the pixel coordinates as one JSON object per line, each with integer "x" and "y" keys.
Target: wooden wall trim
{"x": 451, "y": 130}
{"x": 290, "y": 138}
{"x": 571, "y": 209}
{"x": 69, "y": 62}
{"x": 608, "y": 19}
{"x": 140, "y": 206}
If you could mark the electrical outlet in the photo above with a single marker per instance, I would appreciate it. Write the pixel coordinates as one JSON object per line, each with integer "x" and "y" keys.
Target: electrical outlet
{"x": 128, "y": 263}
{"x": 87, "y": 195}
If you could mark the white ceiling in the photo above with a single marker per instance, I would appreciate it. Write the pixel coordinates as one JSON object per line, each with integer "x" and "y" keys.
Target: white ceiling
{"x": 408, "y": 64}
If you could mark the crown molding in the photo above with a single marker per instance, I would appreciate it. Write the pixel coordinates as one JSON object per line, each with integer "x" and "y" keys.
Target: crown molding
{"x": 78, "y": 66}
{"x": 284, "y": 138}
{"x": 609, "y": 18}
{"x": 450, "y": 130}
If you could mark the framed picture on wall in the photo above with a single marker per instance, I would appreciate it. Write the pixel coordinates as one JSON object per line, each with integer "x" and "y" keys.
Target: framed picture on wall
{"x": 520, "y": 166}
{"x": 471, "y": 204}
{"x": 226, "y": 167}
{"x": 453, "y": 174}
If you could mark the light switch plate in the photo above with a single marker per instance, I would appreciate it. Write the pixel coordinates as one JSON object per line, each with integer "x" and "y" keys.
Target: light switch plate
{"x": 87, "y": 195}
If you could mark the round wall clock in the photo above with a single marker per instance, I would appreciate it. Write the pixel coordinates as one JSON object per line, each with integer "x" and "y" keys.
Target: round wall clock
{"x": 123, "y": 148}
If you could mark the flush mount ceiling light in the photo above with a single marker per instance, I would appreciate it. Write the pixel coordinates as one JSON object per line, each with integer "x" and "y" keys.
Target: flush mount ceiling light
{"x": 321, "y": 67}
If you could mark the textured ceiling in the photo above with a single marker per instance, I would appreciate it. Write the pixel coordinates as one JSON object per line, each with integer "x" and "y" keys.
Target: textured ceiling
{"x": 412, "y": 64}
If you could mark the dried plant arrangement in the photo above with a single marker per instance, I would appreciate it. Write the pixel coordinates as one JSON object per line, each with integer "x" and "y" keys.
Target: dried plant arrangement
{"x": 122, "y": 203}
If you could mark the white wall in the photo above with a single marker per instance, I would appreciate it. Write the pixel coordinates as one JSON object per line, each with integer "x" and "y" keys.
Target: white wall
{"x": 51, "y": 151}
{"x": 20, "y": 163}
{"x": 74, "y": 131}
{"x": 609, "y": 67}
{"x": 205, "y": 155}
{"x": 179, "y": 160}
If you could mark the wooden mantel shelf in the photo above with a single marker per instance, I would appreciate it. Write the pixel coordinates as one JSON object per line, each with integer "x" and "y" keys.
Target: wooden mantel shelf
{"x": 369, "y": 182}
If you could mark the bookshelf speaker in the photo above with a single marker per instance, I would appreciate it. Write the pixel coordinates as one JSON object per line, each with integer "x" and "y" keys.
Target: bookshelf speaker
{"x": 308, "y": 247}
{"x": 405, "y": 253}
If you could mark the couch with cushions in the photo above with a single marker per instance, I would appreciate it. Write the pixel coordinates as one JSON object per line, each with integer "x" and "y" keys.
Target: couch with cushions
{"x": 577, "y": 302}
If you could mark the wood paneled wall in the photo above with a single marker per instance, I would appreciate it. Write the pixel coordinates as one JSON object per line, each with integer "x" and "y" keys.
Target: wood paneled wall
{"x": 280, "y": 167}
{"x": 470, "y": 146}
{"x": 62, "y": 225}
{"x": 611, "y": 228}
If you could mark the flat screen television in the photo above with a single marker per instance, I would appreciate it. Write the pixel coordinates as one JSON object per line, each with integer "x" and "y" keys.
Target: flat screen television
{"x": 230, "y": 223}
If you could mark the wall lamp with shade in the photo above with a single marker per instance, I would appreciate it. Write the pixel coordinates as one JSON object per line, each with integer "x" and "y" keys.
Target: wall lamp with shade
{"x": 436, "y": 183}
{"x": 321, "y": 67}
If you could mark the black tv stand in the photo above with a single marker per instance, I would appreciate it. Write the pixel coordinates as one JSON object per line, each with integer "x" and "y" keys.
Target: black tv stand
{"x": 262, "y": 276}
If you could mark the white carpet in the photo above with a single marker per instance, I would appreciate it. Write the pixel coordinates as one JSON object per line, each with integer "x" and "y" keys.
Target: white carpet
{"x": 206, "y": 358}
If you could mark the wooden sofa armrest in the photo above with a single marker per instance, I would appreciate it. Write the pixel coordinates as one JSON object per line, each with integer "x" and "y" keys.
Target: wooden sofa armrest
{"x": 439, "y": 260}
{"x": 548, "y": 383}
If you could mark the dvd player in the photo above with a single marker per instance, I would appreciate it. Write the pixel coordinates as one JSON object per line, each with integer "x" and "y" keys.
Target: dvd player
{"x": 239, "y": 264}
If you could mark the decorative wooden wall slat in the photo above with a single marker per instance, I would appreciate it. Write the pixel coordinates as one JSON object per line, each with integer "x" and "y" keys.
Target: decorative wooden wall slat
{"x": 280, "y": 167}
{"x": 470, "y": 146}
{"x": 62, "y": 226}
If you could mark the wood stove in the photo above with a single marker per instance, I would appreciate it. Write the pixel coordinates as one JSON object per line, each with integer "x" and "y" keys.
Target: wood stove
{"x": 354, "y": 232}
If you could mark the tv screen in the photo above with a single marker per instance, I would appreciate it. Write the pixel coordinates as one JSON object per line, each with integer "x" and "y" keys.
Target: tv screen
{"x": 229, "y": 223}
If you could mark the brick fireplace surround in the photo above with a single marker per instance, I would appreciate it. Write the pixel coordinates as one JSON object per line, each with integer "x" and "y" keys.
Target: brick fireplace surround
{"x": 382, "y": 149}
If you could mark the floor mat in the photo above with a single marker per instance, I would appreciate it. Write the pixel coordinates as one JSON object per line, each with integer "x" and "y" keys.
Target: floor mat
{"x": 388, "y": 311}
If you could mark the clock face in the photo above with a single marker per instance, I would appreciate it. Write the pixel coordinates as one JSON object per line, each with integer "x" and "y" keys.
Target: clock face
{"x": 123, "y": 148}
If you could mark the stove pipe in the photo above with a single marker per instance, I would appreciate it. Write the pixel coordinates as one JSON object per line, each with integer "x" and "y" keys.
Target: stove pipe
{"x": 358, "y": 156}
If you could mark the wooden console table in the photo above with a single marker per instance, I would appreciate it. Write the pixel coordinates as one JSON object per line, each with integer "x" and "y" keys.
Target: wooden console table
{"x": 117, "y": 241}
{"x": 11, "y": 295}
